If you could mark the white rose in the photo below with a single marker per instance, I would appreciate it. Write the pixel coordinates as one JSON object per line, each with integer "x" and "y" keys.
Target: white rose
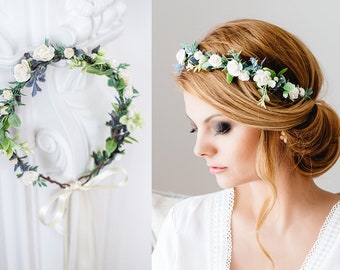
{"x": 262, "y": 77}
{"x": 43, "y": 53}
{"x": 29, "y": 177}
{"x": 3, "y": 110}
{"x": 294, "y": 93}
{"x": 302, "y": 92}
{"x": 234, "y": 68}
{"x": 198, "y": 55}
{"x": 69, "y": 53}
{"x": 244, "y": 75}
{"x": 271, "y": 83}
{"x": 7, "y": 94}
{"x": 215, "y": 60}
{"x": 22, "y": 72}
{"x": 180, "y": 56}
{"x": 125, "y": 76}
{"x": 128, "y": 92}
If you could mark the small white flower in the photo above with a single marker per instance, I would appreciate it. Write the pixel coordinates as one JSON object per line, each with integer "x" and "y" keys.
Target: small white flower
{"x": 133, "y": 119}
{"x": 113, "y": 63}
{"x": 22, "y": 72}
{"x": 128, "y": 92}
{"x": 69, "y": 53}
{"x": 234, "y": 68}
{"x": 302, "y": 92}
{"x": 125, "y": 76}
{"x": 198, "y": 55}
{"x": 7, "y": 94}
{"x": 43, "y": 53}
{"x": 180, "y": 56}
{"x": 262, "y": 78}
{"x": 244, "y": 75}
{"x": 294, "y": 93}
{"x": 215, "y": 60}
{"x": 29, "y": 177}
{"x": 3, "y": 110}
{"x": 189, "y": 66}
{"x": 271, "y": 83}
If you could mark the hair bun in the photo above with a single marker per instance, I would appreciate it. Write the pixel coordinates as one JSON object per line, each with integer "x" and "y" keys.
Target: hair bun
{"x": 315, "y": 145}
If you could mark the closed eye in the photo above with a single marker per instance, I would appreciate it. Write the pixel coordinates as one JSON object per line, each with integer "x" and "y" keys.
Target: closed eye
{"x": 222, "y": 128}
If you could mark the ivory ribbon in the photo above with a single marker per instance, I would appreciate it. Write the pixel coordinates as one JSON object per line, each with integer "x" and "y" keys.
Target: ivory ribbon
{"x": 61, "y": 199}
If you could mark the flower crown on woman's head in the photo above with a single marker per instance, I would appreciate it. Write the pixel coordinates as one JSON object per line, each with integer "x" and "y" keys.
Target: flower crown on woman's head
{"x": 191, "y": 57}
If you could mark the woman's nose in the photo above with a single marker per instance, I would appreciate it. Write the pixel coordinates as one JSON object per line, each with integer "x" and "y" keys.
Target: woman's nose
{"x": 203, "y": 147}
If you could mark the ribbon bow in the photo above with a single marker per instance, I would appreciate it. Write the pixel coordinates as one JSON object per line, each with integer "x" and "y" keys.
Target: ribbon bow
{"x": 86, "y": 236}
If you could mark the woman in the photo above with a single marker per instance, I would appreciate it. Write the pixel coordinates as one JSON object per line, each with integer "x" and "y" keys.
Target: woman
{"x": 251, "y": 93}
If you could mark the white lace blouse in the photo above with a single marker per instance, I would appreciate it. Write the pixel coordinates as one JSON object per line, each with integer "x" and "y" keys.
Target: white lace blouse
{"x": 192, "y": 237}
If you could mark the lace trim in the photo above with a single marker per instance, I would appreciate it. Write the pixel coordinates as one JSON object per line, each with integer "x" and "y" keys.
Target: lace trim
{"x": 222, "y": 208}
{"x": 324, "y": 246}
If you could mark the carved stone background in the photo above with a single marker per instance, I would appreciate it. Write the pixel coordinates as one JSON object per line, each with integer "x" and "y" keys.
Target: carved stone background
{"x": 66, "y": 120}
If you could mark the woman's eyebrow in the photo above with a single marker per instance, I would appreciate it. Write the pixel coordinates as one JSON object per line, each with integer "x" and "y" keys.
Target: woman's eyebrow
{"x": 207, "y": 119}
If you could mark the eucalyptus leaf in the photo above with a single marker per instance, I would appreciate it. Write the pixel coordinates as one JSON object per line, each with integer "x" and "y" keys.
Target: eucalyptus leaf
{"x": 14, "y": 120}
{"x": 110, "y": 146}
{"x": 121, "y": 85}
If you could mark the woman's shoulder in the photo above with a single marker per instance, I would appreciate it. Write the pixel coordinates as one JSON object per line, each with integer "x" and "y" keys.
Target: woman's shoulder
{"x": 198, "y": 207}
{"x": 198, "y": 201}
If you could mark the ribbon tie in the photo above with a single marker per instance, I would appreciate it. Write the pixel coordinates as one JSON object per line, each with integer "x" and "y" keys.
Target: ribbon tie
{"x": 86, "y": 251}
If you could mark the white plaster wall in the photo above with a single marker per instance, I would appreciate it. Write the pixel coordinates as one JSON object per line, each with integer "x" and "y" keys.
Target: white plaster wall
{"x": 175, "y": 168}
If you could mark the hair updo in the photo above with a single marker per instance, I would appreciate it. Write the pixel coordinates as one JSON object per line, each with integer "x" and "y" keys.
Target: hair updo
{"x": 311, "y": 126}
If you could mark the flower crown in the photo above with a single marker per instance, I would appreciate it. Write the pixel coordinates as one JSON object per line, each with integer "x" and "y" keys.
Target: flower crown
{"x": 191, "y": 57}
{"x": 124, "y": 118}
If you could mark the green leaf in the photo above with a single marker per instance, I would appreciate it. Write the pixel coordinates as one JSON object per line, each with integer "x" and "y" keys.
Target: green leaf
{"x": 121, "y": 85}
{"x": 5, "y": 143}
{"x": 9, "y": 153}
{"x": 111, "y": 82}
{"x": 229, "y": 78}
{"x": 281, "y": 72}
{"x": 130, "y": 140}
{"x": 94, "y": 70}
{"x": 14, "y": 120}
{"x": 288, "y": 86}
{"x": 110, "y": 146}
{"x": 272, "y": 72}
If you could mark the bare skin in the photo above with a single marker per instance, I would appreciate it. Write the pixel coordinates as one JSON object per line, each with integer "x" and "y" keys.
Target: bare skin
{"x": 294, "y": 223}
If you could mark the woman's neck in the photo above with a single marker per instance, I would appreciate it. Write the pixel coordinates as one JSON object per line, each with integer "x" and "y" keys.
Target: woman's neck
{"x": 297, "y": 197}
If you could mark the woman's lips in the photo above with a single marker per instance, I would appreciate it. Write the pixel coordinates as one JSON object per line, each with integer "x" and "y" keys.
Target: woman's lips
{"x": 216, "y": 170}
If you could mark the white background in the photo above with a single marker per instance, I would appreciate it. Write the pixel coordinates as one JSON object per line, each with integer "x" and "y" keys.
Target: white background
{"x": 175, "y": 168}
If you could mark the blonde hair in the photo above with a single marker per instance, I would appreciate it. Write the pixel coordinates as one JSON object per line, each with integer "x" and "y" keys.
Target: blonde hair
{"x": 312, "y": 127}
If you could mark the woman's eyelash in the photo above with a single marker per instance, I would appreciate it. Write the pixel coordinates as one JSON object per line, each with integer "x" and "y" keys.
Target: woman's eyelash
{"x": 222, "y": 128}
{"x": 193, "y": 130}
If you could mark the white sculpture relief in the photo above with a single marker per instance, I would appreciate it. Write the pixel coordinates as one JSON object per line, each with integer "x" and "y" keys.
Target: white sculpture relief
{"x": 84, "y": 22}
{"x": 52, "y": 153}
{"x": 68, "y": 22}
